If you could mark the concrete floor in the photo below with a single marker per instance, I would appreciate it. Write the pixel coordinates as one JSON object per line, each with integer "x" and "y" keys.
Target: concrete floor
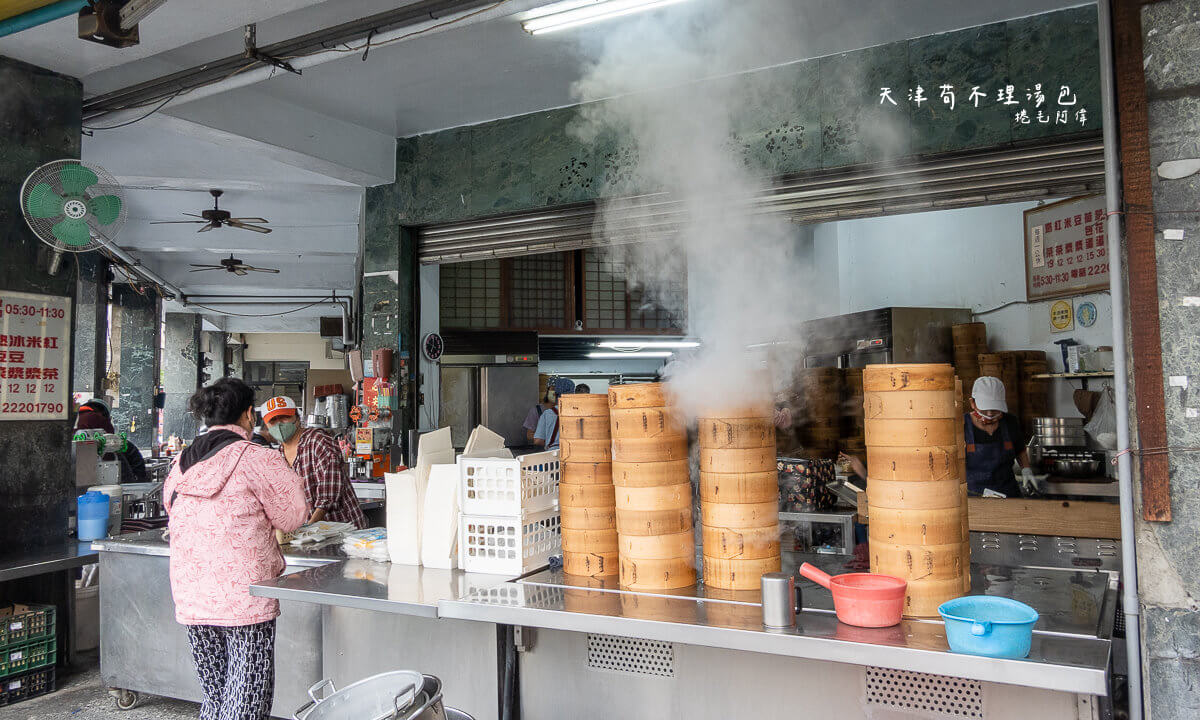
{"x": 81, "y": 697}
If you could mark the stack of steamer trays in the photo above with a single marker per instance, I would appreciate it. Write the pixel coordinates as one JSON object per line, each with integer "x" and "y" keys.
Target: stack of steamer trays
{"x": 970, "y": 341}
{"x": 853, "y": 440}
{"x": 1035, "y": 391}
{"x": 1003, "y": 365}
{"x": 585, "y": 493}
{"x": 916, "y": 489}
{"x": 820, "y": 393}
{"x": 739, "y": 497}
{"x": 657, "y": 546}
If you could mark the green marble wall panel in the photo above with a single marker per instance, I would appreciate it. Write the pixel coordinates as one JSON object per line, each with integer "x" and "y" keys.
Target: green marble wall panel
{"x": 139, "y": 318}
{"x": 1053, "y": 54}
{"x": 501, "y": 180}
{"x": 181, "y": 373}
{"x": 779, "y": 130}
{"x": 442, "y": 181}
{"x": 563, "y": 169}
{"x": 857, "y": 125}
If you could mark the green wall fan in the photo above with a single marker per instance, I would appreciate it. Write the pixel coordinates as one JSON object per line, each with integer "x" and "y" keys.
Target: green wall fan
{"x": 72, "y": 206}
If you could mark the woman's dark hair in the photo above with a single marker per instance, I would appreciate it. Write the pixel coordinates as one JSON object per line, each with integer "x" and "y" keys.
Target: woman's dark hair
{"x": 223, "y": 402}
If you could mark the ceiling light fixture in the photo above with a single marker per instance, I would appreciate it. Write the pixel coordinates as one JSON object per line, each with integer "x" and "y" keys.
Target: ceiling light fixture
{"x": 573, "y": 13}
{"x": 624, "y": 355}
{"x": 652, "y": 344}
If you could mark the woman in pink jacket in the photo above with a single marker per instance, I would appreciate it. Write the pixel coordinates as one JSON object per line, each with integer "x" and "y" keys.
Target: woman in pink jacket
{"x": 226, "y": 497}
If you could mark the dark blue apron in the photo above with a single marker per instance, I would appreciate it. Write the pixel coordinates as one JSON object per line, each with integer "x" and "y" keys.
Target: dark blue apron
{"x": 985, "y": 459}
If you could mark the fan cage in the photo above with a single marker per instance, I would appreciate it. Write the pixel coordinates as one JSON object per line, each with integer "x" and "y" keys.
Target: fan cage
{"x": 50, "y": 174}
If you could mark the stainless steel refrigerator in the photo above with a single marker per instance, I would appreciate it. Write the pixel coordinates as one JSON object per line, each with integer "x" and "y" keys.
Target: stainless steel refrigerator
{"x": 489, "y": 391}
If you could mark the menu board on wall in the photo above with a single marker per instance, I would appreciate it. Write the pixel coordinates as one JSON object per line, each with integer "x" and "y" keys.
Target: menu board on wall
{"x": 1066, "y": 248}
{"x": 35, "y": 348}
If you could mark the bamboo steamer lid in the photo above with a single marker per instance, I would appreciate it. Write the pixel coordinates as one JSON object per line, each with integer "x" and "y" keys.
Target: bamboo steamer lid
{"x": 592, "y": 564}
{"x": 654, "y": 522}
{"x": 737, "y": 460}
{"x": 589, "y": 518}
{"x": 913, "y": 464}
{"x": 637, "y": 395}
{"x": 584, "y": 428}
{"x": 886, "y": 378}
{"x": 592, "y": 602}
{"x": 583, "y": 405}
{"x": 646, "y": 423}
{"x": 655, "y": 607}
{"x": 915, "y": 432}
{"x": 740, "y": 543}
{"x": 637, "y": 450}
{"x": 582, "y": 541}
{"x": 649, "y": 474}
{"x": 659, "y": 497}
{"x": 909, "y": 404}
{"x": 736, "y": 432}
{"x": 586, "y": 473}
{"x": 916, "y": 527}
{"x": 740, "y": 515}
{"x": 924, "y": 596}
{"x": 590, "y": 496}
{"x": 739, "y": 487}
{"x": 657, "y": 573}
{"x": 738, "y": 574}
{"x": 585, "y": 451}
{"x": 968, "y": 333}
{"x": 675, "y": 545}
{"x": 932, "y": 495}
{"x": 919, "y": 562}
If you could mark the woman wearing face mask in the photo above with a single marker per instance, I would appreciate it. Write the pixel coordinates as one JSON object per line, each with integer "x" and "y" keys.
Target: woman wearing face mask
{"x": 314, "y": 456}
{"x": 993, "y": 439}
{"x": 226, "y": 498}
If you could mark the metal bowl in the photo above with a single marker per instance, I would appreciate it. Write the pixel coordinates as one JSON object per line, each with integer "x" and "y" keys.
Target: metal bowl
{"x": 1078, "y": 468}
{"x": 1046, "y": 423}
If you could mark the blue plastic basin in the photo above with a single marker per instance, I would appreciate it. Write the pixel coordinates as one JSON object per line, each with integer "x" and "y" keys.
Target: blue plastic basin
{"x": 990, "y": 626}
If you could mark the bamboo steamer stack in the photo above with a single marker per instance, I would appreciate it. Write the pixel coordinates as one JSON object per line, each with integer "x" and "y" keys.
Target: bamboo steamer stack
{"x": 915, "y": 492}
{"x": 1035, "y": 392}
{"x": 970, "y": 340}
{"x": 1010, "y": 368}
{"x": 739, "y": 497}
{"x": 585, "y": 493}
{"x": 656, "y": 543}
{"x": 820, "y": 390}
{"x": 853, "y": 440}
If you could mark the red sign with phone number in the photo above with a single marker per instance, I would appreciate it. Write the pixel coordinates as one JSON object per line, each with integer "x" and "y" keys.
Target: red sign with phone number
{"x": 35, "y": 347}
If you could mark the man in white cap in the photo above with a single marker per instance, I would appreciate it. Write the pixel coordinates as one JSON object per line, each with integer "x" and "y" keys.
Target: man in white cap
{"x": 993, "y": 439}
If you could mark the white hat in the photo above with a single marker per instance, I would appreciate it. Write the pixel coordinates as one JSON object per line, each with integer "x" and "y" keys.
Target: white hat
{"x": 988, "y": 394}
{"x": 279, "y": 405}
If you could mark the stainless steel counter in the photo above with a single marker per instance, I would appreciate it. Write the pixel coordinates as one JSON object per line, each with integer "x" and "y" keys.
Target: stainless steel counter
{"x": 151, "y": 542}
{"x": 52, "y": 558}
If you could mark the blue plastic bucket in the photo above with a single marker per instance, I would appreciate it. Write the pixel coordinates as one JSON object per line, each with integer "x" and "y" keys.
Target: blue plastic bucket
{"x": 986, "y": 625}
{"x": 92, "y": 515}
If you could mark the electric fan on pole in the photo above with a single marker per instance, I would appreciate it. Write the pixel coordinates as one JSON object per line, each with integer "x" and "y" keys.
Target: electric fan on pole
{"x": 72, "y": 206}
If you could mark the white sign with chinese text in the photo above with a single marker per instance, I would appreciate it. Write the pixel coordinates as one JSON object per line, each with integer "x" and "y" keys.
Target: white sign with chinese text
{"x": 35, "y": 349}
{"x": 1066, "y": 248}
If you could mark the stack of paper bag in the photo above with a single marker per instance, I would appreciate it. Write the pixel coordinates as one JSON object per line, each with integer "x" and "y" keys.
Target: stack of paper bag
{"x": 439, "y": 522}
{"x": 404, "y": 516}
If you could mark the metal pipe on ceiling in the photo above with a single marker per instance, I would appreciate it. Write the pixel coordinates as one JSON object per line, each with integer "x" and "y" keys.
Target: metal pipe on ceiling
{"x": 40, "y": 14}
{"x": 136, "y": 267}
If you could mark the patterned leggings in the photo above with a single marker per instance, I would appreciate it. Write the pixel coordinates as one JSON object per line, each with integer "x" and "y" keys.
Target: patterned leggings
{"x": 237, "y": 670}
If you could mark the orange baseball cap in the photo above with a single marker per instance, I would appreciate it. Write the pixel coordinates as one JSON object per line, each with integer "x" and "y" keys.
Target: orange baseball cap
{"x": 277, "y": 406}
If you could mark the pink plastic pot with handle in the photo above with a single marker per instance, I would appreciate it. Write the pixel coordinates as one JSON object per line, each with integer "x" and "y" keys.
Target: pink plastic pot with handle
{"x": 862, "y": 599}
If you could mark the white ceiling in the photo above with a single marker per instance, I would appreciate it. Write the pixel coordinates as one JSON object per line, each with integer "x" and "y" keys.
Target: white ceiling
{"x": 299, "y": 150}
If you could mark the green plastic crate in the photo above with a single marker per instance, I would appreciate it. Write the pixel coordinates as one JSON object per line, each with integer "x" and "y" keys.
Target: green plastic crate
{"x": 24, "y": 687}
{"x": 16, "y": 660}
{"x": 24, "y": 623}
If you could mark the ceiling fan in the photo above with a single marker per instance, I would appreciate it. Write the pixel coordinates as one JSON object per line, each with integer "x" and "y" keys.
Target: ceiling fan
{"x": 232, "y": 265}
{"x": 217, "y": 217}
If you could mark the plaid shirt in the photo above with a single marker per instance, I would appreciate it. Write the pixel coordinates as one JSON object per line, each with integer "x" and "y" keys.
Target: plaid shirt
{"x": 326, "y": 486}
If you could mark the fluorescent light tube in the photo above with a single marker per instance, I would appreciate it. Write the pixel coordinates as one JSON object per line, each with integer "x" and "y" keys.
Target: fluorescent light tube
{"x": 573, "y": 13}
{"x": 652, "y": 344}
{"x": 638, "y": 354}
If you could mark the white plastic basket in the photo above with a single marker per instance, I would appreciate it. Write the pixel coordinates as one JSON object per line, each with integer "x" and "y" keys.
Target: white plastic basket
{"x": 509, "y": 487}
{"x": 508, "y": 545}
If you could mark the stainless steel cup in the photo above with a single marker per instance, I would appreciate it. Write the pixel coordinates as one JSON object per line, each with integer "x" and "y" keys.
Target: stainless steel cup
{"x": 778, "y": 600}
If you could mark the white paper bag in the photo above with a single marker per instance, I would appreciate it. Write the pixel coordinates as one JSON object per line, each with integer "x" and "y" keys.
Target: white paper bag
{"x": 403, "y": 516}
{"x": 439, "y": 522}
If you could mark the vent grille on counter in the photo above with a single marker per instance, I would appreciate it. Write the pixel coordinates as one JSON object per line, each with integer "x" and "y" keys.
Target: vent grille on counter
{"x": 934, "y": 695}
{"x": 631, "y": 656}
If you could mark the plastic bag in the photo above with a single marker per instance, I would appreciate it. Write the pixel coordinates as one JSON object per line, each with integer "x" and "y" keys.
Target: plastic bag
{"x": 1103, "y": 426}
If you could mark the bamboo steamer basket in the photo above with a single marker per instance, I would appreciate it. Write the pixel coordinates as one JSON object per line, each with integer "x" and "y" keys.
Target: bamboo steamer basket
{"x": 730, "y": 574}
{"x": 590, "y": 564}
{"x": 744, "y": 608}
{"x": 888, "y": 378}
{"x": 965, "y": 525}
{"x": 991, "y": 364}
{"x": 589, "y": 496}
{"x": 585, "y": 451}
{"x": 919, "y": 562}
{"x": 662, "y": 547}
{"x": 923, "y": 597}
{"x": 972, "y": 333}
{"x": 637, "y": 395}
{"x": 658, "y": 607}
{"x": 583, "y": 541}
{"x": 650, "y": 474}
{"x": 745, "y": 543}
{"x": 915, "y": 527}
{"x": 584, "y": 428}
{"x": 586, "y": 473}
{"x": 910, "y": 404}
{"x": 740, "y": 515}
{"x": 898, "y": 495}
{"x": 664, "y": 449}
{"x": 914, "y": 464}
{"x": 735, "y": 460}
{"x": 583, "y": 405}
{"x": 918, "y": 432}
{"x": 739, "y": 487}
{"x": 589, "y": 518}
{"x": 736, "y": 432}
{"x": 646, "y": 423}
{"x": 657, "y": 573}
{"x": 659, "y": 497}
{"x": 740, "y": 412}
{"x": 654, "y": 522}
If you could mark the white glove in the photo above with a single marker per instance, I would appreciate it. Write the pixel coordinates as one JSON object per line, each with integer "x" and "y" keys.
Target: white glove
{"x": 1028, "y": 483}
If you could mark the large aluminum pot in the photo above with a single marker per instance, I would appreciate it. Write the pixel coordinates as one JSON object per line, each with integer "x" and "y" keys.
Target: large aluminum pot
{"x": 398, "y": 695}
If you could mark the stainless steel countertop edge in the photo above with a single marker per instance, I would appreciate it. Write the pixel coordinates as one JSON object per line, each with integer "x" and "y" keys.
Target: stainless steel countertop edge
{"x": 356, "y": 602}
{"x": 161, "y": 548}
{"x": 1049, "y": 676}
